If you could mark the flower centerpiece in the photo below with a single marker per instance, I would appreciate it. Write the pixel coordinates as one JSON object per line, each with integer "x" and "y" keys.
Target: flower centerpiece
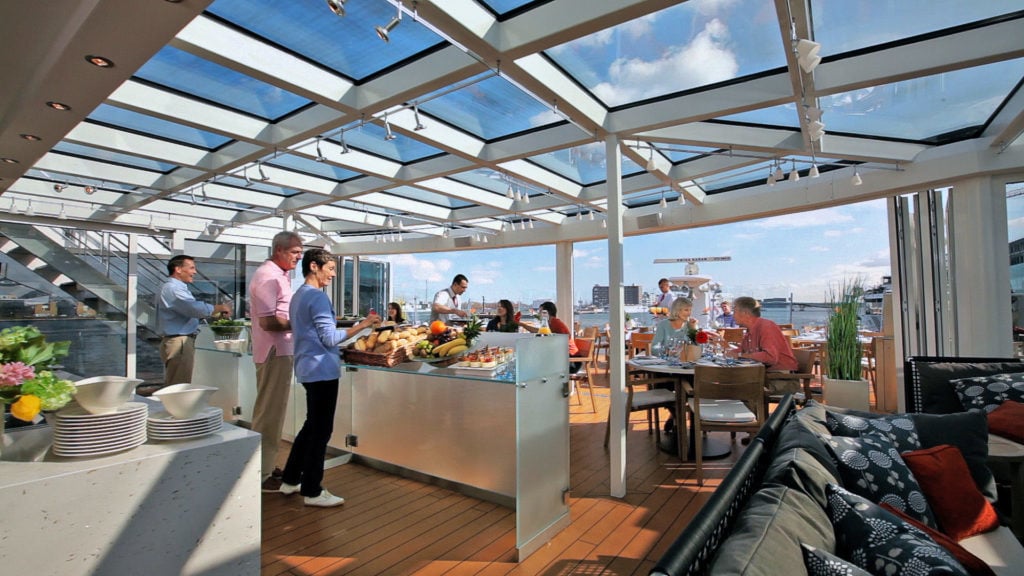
{"x": 693, "y": 348}
{"x": 26, "y": 381}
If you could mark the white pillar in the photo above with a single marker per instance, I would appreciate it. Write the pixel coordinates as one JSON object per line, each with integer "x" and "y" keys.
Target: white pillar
{"x": 616, "y": 302}
{"x": 563, "y": 282}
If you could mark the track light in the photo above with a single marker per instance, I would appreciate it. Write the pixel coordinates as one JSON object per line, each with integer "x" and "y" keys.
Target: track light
{"x": 245, "y": 175}
{"x": 319, "y": 153}
{"x": 604, "y": 223}
{"x": 152, "y": 225}
{"x": 813, "y": 173}
{"x": 389, "y": 222}
{"x": 337, "y": 6}
{"x": 663, "y": 203}
{"x": 779, "y": 174}
{"x": 682, "y": 199}
{"x": 416, "y": 115}
{"x": 579, "y": 214}
{"x": 29, "y": 210}
{"x": 62, "y": 215}
{"x": 526, "y": 197}
{"x": 90, "y": 189}
{"x": 855, "y": 179}
{"x": 794, "y": 176}
{"x": 385, "y": 31}
{"x": 510, "y": 193}
{"x": 771, "y": 178}
{"x": 401, "y": 225}
{"x": 485, "y": 239}
{"x": 59, "y": 187}
{"x": 531, "y": 223}
{"x": 807, "y": 55}
{"x": 342, "y": 143}
{"x": 389, "y": 135}
{"x": 590, "y": 216}
{"x": 444, "y": 232}
{"x": 651, "y": 166}
{"x": 259, "y": 170}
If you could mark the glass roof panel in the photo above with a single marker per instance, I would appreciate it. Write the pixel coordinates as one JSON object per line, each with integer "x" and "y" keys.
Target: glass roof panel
{"x": 303, "y": 164}
{"x": 584, "y": 165}
{"x": 686, "y": 46}
{"x": 75, "y": 180}
{"x": 190, "y": 74}
{"x": 483, "y": 178}
{"x": 924, "y": 108}
{"x": 115, "y": 157}
{"x": 677, "y": 153}
{"x": 270, "y": 188}
{"x": 143, "y": 124}
{"x": 322, "y": 32}
{"x": 422, "y": 195}
{"x": 784, "y": 115}
{"x": 845, "y": 26}
{"x": 490, "y": 108}
{"x": 370, "y": 138}
{"x": 501, "y": 7}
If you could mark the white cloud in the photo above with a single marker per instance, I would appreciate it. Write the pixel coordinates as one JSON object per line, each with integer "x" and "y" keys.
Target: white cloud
{"x": 705, "y": 60}
{"x": 408, "y": 267}
{"x": 825, "y": 217}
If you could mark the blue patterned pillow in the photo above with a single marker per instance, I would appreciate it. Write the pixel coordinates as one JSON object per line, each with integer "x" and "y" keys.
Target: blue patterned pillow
{"x": 872, "y": 467}
{"x": 989, "y": 392}
{"x": 899, "y": 428}
{"x": 879, "y": 542}
{"x": 821, "y": 563}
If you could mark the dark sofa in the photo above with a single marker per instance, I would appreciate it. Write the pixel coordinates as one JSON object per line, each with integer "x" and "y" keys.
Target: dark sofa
{"x": 774, "y": 499}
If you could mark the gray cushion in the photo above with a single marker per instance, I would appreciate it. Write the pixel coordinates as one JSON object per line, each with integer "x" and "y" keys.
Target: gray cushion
{"x": 937, "y": 394}
{"x": 800, "y": 470}
{"x": 968, "y": 431}
{"x": 988, "y": 392}
{"x": 768, "y": 533}
{"x": 797, "y": 434}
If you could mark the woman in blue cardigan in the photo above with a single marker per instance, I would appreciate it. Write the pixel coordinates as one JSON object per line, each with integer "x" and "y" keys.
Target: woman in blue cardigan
{"x": 318, "y": 368}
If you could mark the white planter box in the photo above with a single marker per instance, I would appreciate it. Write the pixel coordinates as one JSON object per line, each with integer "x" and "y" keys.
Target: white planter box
{"x": 854, "y": 394}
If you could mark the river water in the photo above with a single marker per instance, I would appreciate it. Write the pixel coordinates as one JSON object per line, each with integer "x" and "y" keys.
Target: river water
{"x": 780, "y": 315}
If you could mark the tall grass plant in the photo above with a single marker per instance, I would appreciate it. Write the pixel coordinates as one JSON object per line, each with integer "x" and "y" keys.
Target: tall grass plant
{"x": 843, "y": 349}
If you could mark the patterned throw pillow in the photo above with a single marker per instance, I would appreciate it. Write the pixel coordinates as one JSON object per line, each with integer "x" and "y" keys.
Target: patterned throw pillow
{"x": 988, "y": 392}
{"x": 881, "y": 543}
{"x": 872, "y": 467}
{"x": 899, "y": 428}
{"x": 821, "y": 563}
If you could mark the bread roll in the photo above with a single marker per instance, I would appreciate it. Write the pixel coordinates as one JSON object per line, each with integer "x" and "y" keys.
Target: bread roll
{"x": 361, "y": 345}
{"x": 371, "y": 341}
{"x": 384, "y": 335}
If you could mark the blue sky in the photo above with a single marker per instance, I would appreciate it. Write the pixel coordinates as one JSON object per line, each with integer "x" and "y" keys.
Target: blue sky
{"x": 771, "y": 257}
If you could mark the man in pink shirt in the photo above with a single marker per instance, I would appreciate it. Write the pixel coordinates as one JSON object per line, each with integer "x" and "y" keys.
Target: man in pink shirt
{"x": 270, "y": 293}
{"x": 764, "y": 342}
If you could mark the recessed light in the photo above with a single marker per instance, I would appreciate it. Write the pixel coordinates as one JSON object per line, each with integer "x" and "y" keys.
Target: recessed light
{"x": 9, "y": 161}
{"x": 31, "y": 137}
{"x": 99, "y": 61}
{"x": 58, "y": 105}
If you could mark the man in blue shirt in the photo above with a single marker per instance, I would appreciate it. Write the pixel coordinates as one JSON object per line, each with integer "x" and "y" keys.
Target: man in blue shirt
{"x": 177, "y": 319}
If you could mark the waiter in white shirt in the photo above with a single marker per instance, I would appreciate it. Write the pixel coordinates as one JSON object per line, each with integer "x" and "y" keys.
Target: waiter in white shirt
{"x": 664, "y": 299}
{"x": 446, "y": 302}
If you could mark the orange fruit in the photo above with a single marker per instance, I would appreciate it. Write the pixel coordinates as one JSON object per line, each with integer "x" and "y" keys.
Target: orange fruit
{"x": 437, "y": 327}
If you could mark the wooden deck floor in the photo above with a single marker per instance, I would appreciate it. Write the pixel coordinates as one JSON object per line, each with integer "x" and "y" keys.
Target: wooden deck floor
{"x": 392, "y": 525}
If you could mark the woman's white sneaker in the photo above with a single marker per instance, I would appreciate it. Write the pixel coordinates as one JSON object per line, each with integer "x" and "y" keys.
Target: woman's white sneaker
{"x": 324, "y": 500}
{"x": 289, "y": 489}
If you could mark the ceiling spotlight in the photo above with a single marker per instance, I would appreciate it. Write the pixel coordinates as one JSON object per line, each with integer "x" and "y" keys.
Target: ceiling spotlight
{"x": 29, "y": 210}
{"x": 813, "y": 172}
{"x": 319, "y": 153}
{"x": 579, "y": 214}
{"x": 531, "y": 224}
{"x": 366, "y": 216}
{"x": 604, "y": 223}
{"x": 58, "y": 106}
{"x": 779, "y": 174}
{"x": 389, "y": 222}
{"x": 682, "y": 199}
{"x": 385, "y": 31}
{"x": 590, "y": 216}
{"x": 58, "y": 188}
{"x": 794, "y": 175}
{"x": 389, "y": 135}
{"x": 416, "y": 115}
{"x": 807, "y": 54}
{"x": 99, "y": 61}
{"x": 651, "y": 166}
{"x": 342, "y": 143}
{"x": 152, "y": 225}
{"x": 517, "y": 196}
{"x": 90, "y": 189}
{"x": 62, "y": 215}
{"x": 31, "y": 137}
{"x": 401, "y": 225}
{"x": 337, "y": 6}
{"x": 855, "y": 179}
{"x": 510, "y": 193}
{"x": 663, "y": 204}
{"x": 485, "y": 239}
{"x": 771, "y": 178}
{"x": 526, "y": 197}
{"x": 259, "y": 170}
{"x": 444, "y": 232}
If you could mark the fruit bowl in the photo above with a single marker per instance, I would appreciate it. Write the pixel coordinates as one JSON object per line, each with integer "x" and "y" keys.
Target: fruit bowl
{"x": 104, "y": 394}
{"x": 184, "y": 400}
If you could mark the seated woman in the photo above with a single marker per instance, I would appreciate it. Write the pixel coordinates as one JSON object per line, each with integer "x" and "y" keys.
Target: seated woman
{"x": 677, "y": 325}
{"x": 395, "y": 315}
{"x": 504, "y": 320}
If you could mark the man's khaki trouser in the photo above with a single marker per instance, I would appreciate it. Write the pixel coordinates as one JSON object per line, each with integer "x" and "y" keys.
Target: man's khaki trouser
{"x": 273, "y": 385}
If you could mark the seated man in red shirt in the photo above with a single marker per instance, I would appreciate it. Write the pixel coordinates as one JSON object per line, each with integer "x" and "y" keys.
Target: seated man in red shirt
{"x": 557, "y": 327}
{"x": 765, "y": 343}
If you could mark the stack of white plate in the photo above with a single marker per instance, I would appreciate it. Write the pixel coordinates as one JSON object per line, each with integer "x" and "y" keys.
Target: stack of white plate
{"x": 163, "y": 426}
{"x": 78, "y": 433}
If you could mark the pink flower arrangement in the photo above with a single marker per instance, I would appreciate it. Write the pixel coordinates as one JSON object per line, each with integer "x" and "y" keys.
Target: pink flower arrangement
{"x": 15, "y": 373}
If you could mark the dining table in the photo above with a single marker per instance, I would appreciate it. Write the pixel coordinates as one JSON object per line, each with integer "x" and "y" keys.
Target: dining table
{"x": 712, "y": 448}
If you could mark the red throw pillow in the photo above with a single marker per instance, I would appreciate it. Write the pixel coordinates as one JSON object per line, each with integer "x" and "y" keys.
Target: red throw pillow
{"x": 975, "y": 566}
{"x": 960, "y": 508}
{"x": 1008, "y": 421}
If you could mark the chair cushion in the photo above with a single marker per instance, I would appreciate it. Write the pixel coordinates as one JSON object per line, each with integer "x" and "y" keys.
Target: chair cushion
{"x": 899, "y": 428}
{"x": 766, "y": 538}
{"x": 724, "y": 411}
{"x": 1008, "y": 421}
{"x": 821, "y": 563}
{"x": 650, "y": 398}
{"x": 954, "y": 499}
{"x": 938, "y": 395}
{"x": 968, "y": 431}
{"x": 872, "y": 467}
{"x": 988, "y": 392}
{"x": 881, "y": 543}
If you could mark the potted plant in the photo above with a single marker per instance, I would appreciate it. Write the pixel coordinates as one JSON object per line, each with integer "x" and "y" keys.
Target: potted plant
{"x": 843, "y": 385}
{"x": 226, "y": 328}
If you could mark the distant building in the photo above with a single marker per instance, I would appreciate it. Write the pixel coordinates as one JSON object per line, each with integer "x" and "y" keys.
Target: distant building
{"x": 631, "y": 295}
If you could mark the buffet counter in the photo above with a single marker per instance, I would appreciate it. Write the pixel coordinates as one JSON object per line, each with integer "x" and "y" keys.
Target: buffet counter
{"x": 187, "y": 507}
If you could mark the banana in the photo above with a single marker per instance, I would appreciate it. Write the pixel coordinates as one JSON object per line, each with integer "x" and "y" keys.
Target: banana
{"x": 457, "y": 350}
{"x": 443, "y": 349}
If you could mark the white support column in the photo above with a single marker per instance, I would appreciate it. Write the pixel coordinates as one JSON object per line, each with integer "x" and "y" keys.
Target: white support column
{"x": 131, "y": 305}
{"x": 616, "y": 302}
{"x": 981, "y": 268}
{"x": 563, "y": 282}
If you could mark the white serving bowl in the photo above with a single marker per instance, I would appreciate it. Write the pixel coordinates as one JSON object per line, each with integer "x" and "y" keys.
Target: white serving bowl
{"x": 104, "y": 394}
{"x": 222, "y": 344}
{"x": 184, "y": 400}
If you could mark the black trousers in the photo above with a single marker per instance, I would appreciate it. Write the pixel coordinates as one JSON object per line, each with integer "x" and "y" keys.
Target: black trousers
{"x": 306, "y": 461}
